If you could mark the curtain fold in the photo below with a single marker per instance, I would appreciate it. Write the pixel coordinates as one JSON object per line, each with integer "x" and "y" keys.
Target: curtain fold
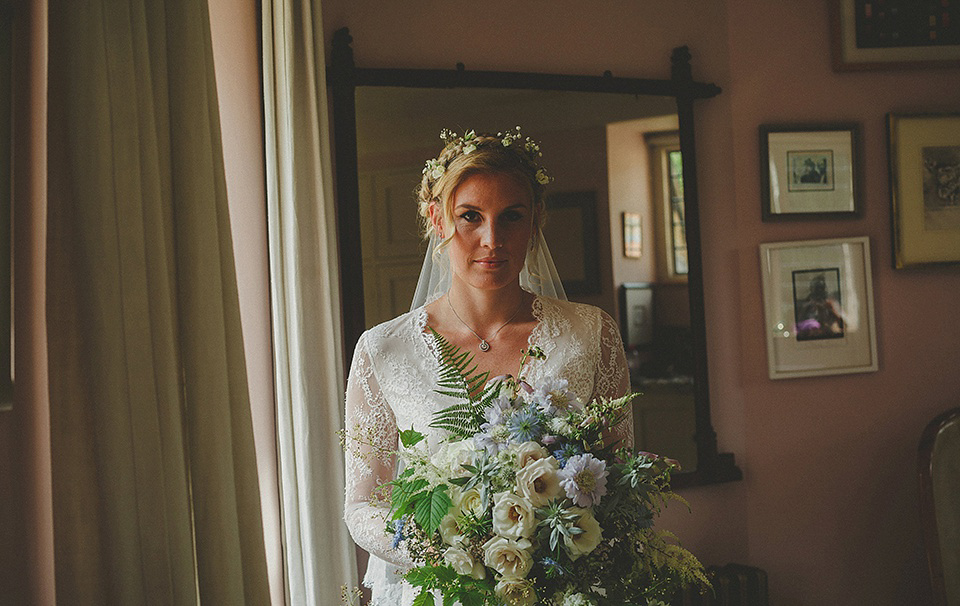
{"x": 319, "y": 553}
{"x": 154, "y": 475}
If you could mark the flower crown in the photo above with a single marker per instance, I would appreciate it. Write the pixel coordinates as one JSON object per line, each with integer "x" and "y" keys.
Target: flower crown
{"x": 466, "y": 144}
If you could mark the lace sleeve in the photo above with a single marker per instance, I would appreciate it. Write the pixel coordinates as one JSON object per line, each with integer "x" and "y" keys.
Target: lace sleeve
{"x": 369, "y": 444}
{"x": 612, "y": 379}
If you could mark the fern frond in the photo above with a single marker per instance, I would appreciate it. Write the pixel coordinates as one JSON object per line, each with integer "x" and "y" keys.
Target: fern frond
{"x": 459, "y": 379}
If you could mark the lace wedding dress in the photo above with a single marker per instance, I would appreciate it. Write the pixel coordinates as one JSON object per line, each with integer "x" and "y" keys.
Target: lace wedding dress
{"x": 391, "y": 385}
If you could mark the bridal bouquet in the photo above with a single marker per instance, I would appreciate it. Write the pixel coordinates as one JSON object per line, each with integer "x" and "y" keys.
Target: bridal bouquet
{"x": 525, "y": 504}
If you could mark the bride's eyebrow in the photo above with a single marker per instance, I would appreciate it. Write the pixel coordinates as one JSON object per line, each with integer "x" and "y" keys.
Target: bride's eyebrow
{"x": 466, "y": 206}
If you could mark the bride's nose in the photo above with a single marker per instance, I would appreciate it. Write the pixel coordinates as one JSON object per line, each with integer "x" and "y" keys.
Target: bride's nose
{"x": 491, "y": 235}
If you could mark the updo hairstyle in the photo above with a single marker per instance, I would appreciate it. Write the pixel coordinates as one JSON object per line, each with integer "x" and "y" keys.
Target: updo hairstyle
{"x": 464, "y": 157}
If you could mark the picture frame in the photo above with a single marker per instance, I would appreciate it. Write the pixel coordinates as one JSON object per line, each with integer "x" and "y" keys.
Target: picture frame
{"x": 818, "y": 307}
{"x": 895, "y": 34}
{"x": 924, "y": 153}
{"x": 810, "y": 171}
{"x": 632, "y": 235}
{"x": 572, "y": 229}
{"x": 636, "y": 314}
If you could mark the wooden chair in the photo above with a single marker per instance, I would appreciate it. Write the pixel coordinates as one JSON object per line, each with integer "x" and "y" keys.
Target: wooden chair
{"x": 939, "y": 469}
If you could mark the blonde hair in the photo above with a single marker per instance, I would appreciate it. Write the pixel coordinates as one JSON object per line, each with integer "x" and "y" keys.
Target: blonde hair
{"x": 483, "y": 154}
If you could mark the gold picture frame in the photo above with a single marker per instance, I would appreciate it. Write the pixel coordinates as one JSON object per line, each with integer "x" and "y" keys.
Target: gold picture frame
{"x": 924, "y": 152}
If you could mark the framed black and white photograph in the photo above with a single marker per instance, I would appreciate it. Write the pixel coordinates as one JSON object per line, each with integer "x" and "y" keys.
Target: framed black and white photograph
{"x": 895, "y": 34}
{"x": 809, "y": 171}
{"x": 925, "y": 188}
{"x": 818, "y": 307}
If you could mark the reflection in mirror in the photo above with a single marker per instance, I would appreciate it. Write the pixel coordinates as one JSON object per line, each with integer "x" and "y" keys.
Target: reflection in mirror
{"x": 609, "y": 154}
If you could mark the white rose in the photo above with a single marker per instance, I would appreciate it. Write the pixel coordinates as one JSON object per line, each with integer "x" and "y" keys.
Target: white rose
{"x": 463, "y": 563}
{"x": 451, "y": 457}
{"x": 513, "y": 516}
{"x": 509, "y": 558}
{"x": 471, "y": 502}
{"x": 450, "y": 530}
{"x": 538, "y": 481}
{"x": 516, "y": 592}
{"x": 529, "y": 452}
{"x": 587, "y": 541}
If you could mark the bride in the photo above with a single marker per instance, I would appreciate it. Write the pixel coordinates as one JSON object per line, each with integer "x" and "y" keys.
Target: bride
{"x": 489, "y": 287}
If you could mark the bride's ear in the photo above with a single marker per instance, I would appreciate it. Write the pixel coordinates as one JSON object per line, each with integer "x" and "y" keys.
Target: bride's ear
{"x": 436, "y": 218}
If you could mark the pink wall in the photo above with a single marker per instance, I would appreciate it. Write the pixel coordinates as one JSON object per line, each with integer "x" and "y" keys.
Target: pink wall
{"x": 828, "y": 504}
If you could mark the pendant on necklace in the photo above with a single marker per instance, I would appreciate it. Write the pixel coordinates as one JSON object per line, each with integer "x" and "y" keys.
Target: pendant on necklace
{"x": 484, "y": 346}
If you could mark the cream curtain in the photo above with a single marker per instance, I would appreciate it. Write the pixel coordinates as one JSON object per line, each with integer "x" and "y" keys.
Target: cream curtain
{"x": 155, "y": 492}
{"x": 319, "y": 554}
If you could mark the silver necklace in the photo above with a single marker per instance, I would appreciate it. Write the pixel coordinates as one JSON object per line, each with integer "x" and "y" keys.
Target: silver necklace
{"x": 484, "y": 344}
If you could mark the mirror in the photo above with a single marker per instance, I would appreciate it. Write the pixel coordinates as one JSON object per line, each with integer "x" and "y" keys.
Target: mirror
{"x": 615, "y": 146}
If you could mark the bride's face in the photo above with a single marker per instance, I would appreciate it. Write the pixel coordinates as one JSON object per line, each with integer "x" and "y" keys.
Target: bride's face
{"x": 493, "y": 223}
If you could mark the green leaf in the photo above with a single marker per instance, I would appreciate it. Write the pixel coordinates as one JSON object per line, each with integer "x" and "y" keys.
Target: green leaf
{"x": 410, "y": 437}
{"x": 428, "y": 512}
{"x": 424, "y": 599}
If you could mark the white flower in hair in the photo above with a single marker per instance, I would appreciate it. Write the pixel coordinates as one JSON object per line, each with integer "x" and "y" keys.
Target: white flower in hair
{"x": 434, "y": 168}
{"x": 542, "y": 177}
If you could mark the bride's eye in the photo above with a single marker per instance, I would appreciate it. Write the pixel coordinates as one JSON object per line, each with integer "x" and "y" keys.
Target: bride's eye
{"x": 512, "y": 215}
{"x": 470, "y": 216}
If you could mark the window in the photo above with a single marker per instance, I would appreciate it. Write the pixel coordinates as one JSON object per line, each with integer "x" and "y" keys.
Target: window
{"x": 669, "y": 210}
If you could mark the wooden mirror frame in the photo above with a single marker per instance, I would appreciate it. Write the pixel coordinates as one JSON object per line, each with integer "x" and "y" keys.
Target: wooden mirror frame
{"x": 343, "y": 77}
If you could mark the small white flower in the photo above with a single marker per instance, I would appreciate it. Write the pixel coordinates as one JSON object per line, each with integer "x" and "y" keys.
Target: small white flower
{"x": 542, "y": 177}
{"x": 469, "y": 148}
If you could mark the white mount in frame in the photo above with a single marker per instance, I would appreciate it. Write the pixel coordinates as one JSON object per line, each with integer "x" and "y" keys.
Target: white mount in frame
{"x": 818, "y": 307}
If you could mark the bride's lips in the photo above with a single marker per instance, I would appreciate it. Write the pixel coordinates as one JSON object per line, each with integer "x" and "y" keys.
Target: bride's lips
{"x": 491, "y": 262}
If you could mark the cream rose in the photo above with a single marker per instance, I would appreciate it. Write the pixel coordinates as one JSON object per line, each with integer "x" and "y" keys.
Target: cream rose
{"x": 529, "y": 452}
{"x": 513, "y": 516}
{"x": 511, "y": 559}
{"x": 538, "y": 481}
{"x": 516, "y": 592}
{"x": 450, "y": 530}
{"x": 471, "y": 501}
{"x": 588, "y": 540}
{"x": 463, "y": 563}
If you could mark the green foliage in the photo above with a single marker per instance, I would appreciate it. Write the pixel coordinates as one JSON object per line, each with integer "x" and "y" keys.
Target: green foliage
{"x": 454, "y": 587}
{"x": 410, "y": 437}
{"x": 429, "y": 507}
{"x": 459, "y": 379}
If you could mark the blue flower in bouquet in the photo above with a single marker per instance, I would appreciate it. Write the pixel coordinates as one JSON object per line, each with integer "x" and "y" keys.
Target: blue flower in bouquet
{"x": 398, "y": 536}
{"x": 525, "y": 425}
{"x": 584, "y": 479}
{"x": 563, "y": 454}
{"x": 498, "y": 410}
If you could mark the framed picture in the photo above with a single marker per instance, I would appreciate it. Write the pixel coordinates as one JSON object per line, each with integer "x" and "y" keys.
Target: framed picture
{"x": 636, "y": 314}
{"x": 809, "y": 172}
{"x": 925, "y": 188}
{"x": 818, "y": 307}
{"x": 632, "y": 235}
{"x": 571, "y": 232}
{"x": 892, "y": 34}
